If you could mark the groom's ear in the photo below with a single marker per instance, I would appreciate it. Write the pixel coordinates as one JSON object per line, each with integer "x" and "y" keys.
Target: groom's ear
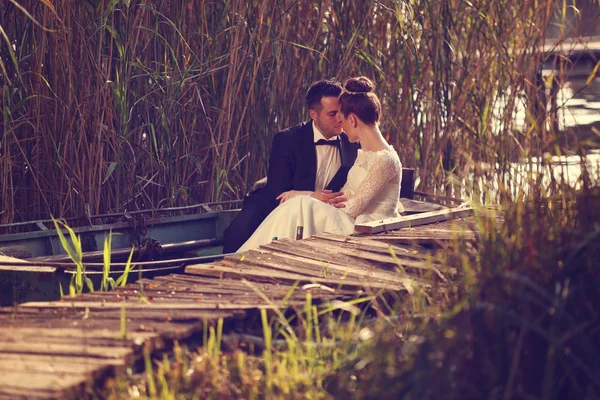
{"x": 313, "y": 114}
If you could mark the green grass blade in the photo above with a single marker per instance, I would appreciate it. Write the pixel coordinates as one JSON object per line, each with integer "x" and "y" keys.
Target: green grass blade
{"x": 106, "y": 261}
{"x": 122, "y": 280}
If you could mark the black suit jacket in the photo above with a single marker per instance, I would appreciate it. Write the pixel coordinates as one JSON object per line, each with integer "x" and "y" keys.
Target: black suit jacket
{"x": 293, "y": 164}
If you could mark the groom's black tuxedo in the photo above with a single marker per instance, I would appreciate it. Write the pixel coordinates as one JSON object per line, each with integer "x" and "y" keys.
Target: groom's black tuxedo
{"x": 292, "y": 166}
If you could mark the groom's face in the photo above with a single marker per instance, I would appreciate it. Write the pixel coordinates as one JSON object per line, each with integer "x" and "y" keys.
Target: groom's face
{"x": 327, "y": 119}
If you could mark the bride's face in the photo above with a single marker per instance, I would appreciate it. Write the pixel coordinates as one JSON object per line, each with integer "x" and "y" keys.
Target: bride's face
{"x": 349, "y": 126}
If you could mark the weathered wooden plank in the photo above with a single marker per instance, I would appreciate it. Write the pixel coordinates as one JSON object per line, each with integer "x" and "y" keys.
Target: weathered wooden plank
{"x": 166, "y": 294}
{"x": 202, "y": 281}
{"x": 75, "y": 349}
{"x": 54, "y": 340}
{"x": 417, "y": 238}
{"x": 234, "y": 268}
{"x": 412, "y": 220}
{"x": 417, "y": 257}
{"x": 384, "y": 260}
{"x": 40, "y": 385}
{"x": 333, "y": 272}
{"x": 243, "y": 302}
{"x": 306, "y": 255}
{"x": 308, "y": 266}
{"x": 348, "y": 267}
{"x": 197, "y": 281}
{"x": 38, "y": 365}
{"x": 376, "y": 255}
{"x": 94, "y": 306}
{"x": 238, "y": 284}
{"x": 250, "y": 272}
{"x": 61, "y": 359}
{"x": 181, "y": 294}
{"x": 58, "y": 363}
{"x": 451, "y": 227}
{"x": 275, "y": 292}
{"x": 112, "y": 316}
{"x": 198, "y": 290}
{"x": 370, "y": 258}
{"x": 49, "y": 372}
{"x": 428, "y": 232}
{"x": 228, "y": 286}
{"x": 49, "y": 343}
{"x": 73, "y": 334}
{"x": 333, "y": 264}
{"x": 30, "y": 267}
{"x": 372, "y": 243}
{"x": 167, "y": 331}
{"x": 435, "y": 243}
{"x": 415, "y": 206}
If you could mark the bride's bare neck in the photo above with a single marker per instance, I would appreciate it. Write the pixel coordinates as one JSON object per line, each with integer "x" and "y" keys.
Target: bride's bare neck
{"x": 371, "y": 139}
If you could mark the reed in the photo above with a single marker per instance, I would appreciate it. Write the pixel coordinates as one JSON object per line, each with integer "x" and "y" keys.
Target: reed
{"x": 125, "y": 105}
{"x": 519, "y": 321}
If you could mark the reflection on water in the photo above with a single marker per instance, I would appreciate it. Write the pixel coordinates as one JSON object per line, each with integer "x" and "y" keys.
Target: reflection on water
{"x": 579, "y": 111}
{"x": 579, "y": 114}
{"x": 562, "y": 169}
{"x": 579, "y": 104}
{"x": 542, "y": 170}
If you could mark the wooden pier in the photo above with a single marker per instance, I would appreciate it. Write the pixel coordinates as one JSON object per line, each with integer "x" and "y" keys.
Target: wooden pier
{"x": 589, "y": 45}
{"x": 575, "y": 57}
{"x": 62, "y": 349}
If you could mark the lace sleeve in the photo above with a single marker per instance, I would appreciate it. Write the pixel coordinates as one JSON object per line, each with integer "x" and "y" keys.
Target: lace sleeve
{"x": 380, "y": 173}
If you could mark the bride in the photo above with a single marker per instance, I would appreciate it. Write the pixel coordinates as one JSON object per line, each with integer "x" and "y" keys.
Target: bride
{"x": 371, "y": 191}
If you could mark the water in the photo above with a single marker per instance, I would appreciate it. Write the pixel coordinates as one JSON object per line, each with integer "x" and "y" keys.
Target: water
{"x": 559, "y": 168}
{"x": 578, "y": 110}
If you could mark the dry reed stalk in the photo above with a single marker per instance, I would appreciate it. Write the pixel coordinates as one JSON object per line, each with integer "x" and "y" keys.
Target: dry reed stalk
{"x": 144, "y": 104}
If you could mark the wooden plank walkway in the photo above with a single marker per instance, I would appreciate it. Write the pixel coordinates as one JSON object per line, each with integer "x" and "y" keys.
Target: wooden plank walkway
{"x": 64, "y": 348}
{"x": 573, "y": 46}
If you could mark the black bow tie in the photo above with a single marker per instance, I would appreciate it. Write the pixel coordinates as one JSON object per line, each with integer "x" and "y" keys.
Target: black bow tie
{"x": 322, "y": 142}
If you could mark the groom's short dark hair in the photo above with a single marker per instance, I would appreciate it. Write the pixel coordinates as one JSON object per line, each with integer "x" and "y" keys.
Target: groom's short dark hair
{"x": 320, "y": 89}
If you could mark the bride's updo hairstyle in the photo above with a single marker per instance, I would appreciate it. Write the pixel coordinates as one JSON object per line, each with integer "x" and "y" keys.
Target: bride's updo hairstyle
{"x": 358, "y": 98}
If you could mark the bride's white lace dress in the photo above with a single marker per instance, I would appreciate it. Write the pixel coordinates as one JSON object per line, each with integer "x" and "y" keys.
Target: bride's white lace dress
{"x": 372, "y": 190}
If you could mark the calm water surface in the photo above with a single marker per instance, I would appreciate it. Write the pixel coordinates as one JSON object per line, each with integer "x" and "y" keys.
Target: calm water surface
{"x": 579, "y": 108}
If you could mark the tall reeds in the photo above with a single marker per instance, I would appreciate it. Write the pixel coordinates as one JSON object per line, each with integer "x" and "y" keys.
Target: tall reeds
{"x": 124, "y": 105}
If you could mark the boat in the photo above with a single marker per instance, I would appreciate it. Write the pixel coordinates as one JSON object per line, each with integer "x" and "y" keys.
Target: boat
{"x": 153, "y": 232}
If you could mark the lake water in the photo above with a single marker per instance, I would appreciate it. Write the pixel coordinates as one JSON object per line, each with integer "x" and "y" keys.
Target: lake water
{"x": 579, "y": 104}
{"x": 579, "y": 109}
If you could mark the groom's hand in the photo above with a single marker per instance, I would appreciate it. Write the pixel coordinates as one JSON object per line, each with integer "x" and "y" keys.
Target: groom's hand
{"x": 336, "y": 199}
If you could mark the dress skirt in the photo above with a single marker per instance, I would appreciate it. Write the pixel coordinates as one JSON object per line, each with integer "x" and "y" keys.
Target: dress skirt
{"x": 314, "y": 216}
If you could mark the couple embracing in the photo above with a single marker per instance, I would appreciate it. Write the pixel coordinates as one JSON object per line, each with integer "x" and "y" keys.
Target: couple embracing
{"x": 324, "y": 175}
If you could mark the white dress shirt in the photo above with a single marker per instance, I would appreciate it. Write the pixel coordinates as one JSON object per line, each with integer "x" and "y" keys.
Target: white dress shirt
{"x": 328, "y": 160}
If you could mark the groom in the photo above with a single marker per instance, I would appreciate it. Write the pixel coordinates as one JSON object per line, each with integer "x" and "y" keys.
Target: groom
{"x": 313, "y": 156}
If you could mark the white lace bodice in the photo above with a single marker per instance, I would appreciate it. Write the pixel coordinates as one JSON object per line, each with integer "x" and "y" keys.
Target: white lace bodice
{"x": 373, "y": 186}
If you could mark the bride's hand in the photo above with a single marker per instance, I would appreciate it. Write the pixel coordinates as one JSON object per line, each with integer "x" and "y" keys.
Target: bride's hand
{"x": 336, "y": 199}
{"x": 285, "y": 196}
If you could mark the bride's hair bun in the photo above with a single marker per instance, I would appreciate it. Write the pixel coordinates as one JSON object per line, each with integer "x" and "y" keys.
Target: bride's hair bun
{"x": 360, "y": 84}
{"x": 359, "y": 98}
